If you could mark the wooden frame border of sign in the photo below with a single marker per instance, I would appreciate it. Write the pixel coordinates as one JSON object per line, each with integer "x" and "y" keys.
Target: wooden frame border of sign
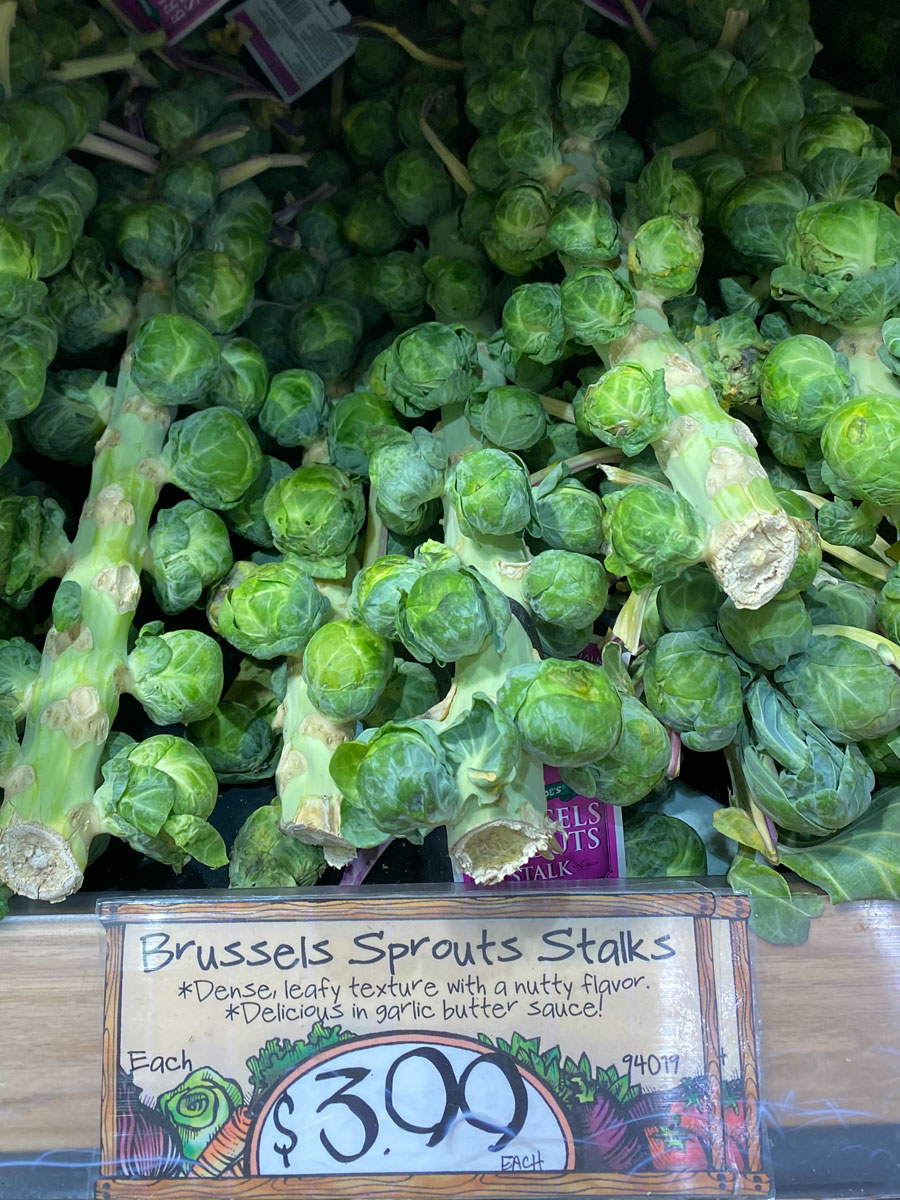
{"x": 702, "y": 907}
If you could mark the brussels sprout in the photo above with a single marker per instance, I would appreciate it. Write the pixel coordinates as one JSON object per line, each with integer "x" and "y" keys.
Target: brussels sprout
{"x": 268, "y": 609}
{"x": 732, "y": 353}
{"x": 705, "y": 79}
{"x": 780, "y": 42}
{"x": 665, "y": 254}
{"x": 832, "y": 600}
{"x": 844, "y": 523}
{"x": 693, "y": 685}
{"x": 803, "y": 382}
{"x": 247, "y": 517}
{"x": 294, "y": 409}
{"x": 520, "y": 220}
{"x": 528, "y": 145}
{"x": 263, "y": 856}
{"x": 198, "y": 1108}
{"x": 213, "y": 456}
{"x": 152, "y": 237}
{"x": 457, "y": 288}
{"x": 156, "y": 795}
{"x": 399, "y": 286}
{"x": 316, "y": 513}
{"x": 756, "y": 215}
{"x": 321, "y": 230}
{"x": 511, "y": 417}
{"x": 449, "y": 613}
{"x": 292, "y": 276}
{"x": 716, "y": 175}
{"x": 663, "y": 190}
{"x": 594, "y": 93}
{"x": 491, "y": 493}
{"x": 346, "y": 666}
{"x": 517, "y": 86}
{"x": 596, "y": 307}
{"x": 480, "y": 112}
{"x": 426, "y": 367}
{"x": 797, "y": 776}
{"x": 20, "y": 289}
{"x": 540, "y": 44}
{"x": 533, "y": 323}
{"x": 174, "y": 116}
{"x": 47, "y": 223}
{"x": 26, "y": 347}
{"x": 567, "y": 713}
{"x": 566, "y": 589}
{"x": 189, "y": 184}
{"x": 658, "y": 845}
{"x": 371, "y": 223}
{"x": 887, "y": 609}
{"x": 845, "y": 687}
{"x": 653, "y": 534}
{"x": 408, "y": 475}
{"x": 858, "y": 441}
{"x": 176, "y": 361}
{"x": 758, "y": 113}
{"x": 379, "y": 589}
{"x": 244, "y": 379}
{"x": 358, "y": 424}
{"x": 690, "y": 601}
{"x": 567, "y": 515}
{"x": 176, "y": 676}
{"x": 189, "y": 550}
{"x": 71, "y": 416}
{"x": 400, "y": 776}
{"x": 487, "y": 169}
{"x": 10, "y": 155}
{"x": 20, "y": 665}
{"x": 214, "y": 289}
{"x": 417, "y": 185}
{"x": 583, "y": 228}
{"x": 324, "y": 335}
{"x": 353, "y": 279}
{"x": 634, "y": 767}
{"x": 837, "y": 154}
{"x": 41, "y": 132}
{"x": 370, "y": 132}
{"x": 767, "y": 636}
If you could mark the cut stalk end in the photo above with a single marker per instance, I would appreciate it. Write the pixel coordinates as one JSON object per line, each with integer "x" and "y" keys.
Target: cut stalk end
{"x": 490, "y": 852}
{"x": 752, "y": 557}
{"x": 38, "y": 862}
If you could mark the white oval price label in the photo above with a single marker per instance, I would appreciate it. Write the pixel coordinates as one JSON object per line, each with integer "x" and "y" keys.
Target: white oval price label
{"x": 410, "y": 1102}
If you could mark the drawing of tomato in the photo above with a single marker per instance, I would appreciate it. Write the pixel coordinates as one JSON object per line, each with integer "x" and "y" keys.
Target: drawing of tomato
{"x": 674, "y": 1148}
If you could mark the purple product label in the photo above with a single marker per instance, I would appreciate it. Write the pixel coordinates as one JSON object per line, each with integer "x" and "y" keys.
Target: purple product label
{"x": 176, "y": 17}
{"x": 615, "y": 11}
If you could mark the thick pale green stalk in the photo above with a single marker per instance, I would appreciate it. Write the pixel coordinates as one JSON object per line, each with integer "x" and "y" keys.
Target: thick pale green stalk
{"x": 870, "y": 373}
{"x": 48, "y": 820}
{"x": 710, "y": 460}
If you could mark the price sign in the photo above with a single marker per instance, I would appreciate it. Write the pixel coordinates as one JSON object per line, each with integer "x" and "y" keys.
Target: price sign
{"x": 509, "y": 1044}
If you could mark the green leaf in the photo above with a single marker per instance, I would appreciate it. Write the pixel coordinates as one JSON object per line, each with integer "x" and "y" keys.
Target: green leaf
{"x": 734, "y": 823}
{"x": 344, "y": 765}
{"x": 484, "y": 745}
{"x": 861, "y": 862}
{"x": 198, "y": 839}
{"x": 777, "y": 915}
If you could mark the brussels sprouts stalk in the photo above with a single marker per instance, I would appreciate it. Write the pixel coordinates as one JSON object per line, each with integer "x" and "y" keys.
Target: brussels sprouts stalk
{"x": 710, "y": 460}
{"x": 106, "y": 129}
{"x": 230, "y": 177}
{"x": 102, "y": 147}
{"x": 216, "y": 138}
{"x": 641, "y": 28}
{"x": 736, "y": 21}
{"x": 100, "y": 64}
{"x": 46, "y": 829}
{"x": 871, "y": 374}
{"x": 579, "y": 462}
{"x": 414, "y": 51}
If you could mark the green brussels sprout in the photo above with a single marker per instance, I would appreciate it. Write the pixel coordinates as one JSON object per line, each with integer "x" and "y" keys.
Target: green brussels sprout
{"x": 417, "y": 184}
{"x": 596, "y": 307}
{"x": 594, "y": 93}
{"x": 371, "y": 223}
{"x": 324, "y": 335}
{"x": 520, "y": 220}
{"x": 663, "y": 190}
{"x": 247, "y": 517}
{"x": 842, "y": 239}
{"x": 10, "y": 155}
{"x": 665, "y": 254}
{"x": 568, "y": 714}
{"x": 693, "y": 685}
{"x": 400, "y": 776}
{"x": 370, "y": 134}
{"x": 833, "y": 600}
{"x": 33, "y": 546}
{"x": 845, "y": 687}
{"x": 71, "y": 416}
{"x": 634, "y": 767}
{"x": 353, "y": 279}
{"x": 27, "y": 346}
{"x": 540, "y": 44}
{"x": 450, "y": 612}
{"x": 47, "y": 223}
{"x": 346, "y": 666}
{"x": 408, "y": 475}
{"x": 756, "y": 216}
{"x": 480, "y": 112}
{"x": 887, "y": 609}
{"x": 513, "y": 418}
{"x": 857, "y": 441}
{"x": 491, "y": 493}
{"x": 767, "y": 636}
{"x": 189, "y": 550}
{"x": 778, "y": 42}
{"x": 517, "y": 86}
{"x": 475, "y": 218}
{"x": 798, "y": 778}
{"x": 358, "y": 424}
{"x": 532, "y": 322}
{"x": 731, "y": 352}
{"x": 267, "y": 327}
{"x": 199, "y": 1107}
{"x": 20, "y": 289}
{"x": 844, "y": 523}
{"x": 443, "y": 114}
{"x": 176, "y": 361}
{"x": 189, "y": 184}
{"x": 426, "y": 367}
{"x": 399, "y": 286}
{"x": 213, "y": 456}
{"x": 758, "y": 113}
{"x": 245, "y": 377}
{"x": 321, "y": 230}
{"x": 691, "y": 600}
{"x": 657, "y": 845}
{"x": 653, "y": 534}
{"x": 262, "y": 856}
{"x": 316, "y": 513}
{"x": 379, "y": 589}
{"x": 214, "y": 289}
{"x": 830, "y": 147}
{"x": 716, "y": 175}
{"x": 583, "y": 228}
{"x": 20, "y": 665}
{"x": 152, "y": 237}
{"x": 157, "y": 795}
{"x": 267, "y": 609}
{"x": 457, "y": 288}
{"x": 486, "y": 168}
{"x": 803, "y": 382}
{"x": 528, "y": 145}
{"x": 295, "y": 408}
{"x": 40, "y": 130}
{"x": 705, "y": 79}
{"x": 174, "y": 116}
{"x": 568, "y": 516}
{"x": 565, "y": 589}
{"x": 292, "y": 276}
{"x": 176, "y": 676}
{"x": 378, "y": 64}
